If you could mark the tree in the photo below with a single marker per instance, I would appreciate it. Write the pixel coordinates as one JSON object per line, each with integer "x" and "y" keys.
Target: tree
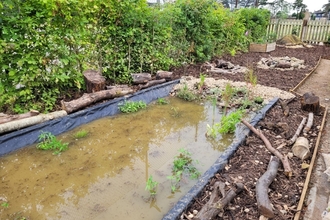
{"x": 326, "y": 7}
{"x": 300, "y": 7}
{"x": 279, "y": 7}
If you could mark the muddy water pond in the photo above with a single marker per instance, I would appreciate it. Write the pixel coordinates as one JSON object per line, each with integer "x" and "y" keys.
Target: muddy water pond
{"x": 103, "y": 175}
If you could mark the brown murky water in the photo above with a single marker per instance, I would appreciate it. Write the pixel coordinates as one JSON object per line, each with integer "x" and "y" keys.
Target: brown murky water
{"x": 103, "y": 175}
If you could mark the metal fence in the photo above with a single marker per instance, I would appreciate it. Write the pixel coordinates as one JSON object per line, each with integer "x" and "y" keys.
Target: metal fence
{"x": 311, "y": 31}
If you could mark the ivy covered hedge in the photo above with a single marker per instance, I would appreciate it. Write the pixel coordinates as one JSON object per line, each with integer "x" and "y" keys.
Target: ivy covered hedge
{"x": 46, "y": 44}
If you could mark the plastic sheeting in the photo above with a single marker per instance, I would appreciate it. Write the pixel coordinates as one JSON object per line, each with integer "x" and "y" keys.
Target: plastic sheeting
{"x": 240, "y": 135}
{"x": 27, "y": 136}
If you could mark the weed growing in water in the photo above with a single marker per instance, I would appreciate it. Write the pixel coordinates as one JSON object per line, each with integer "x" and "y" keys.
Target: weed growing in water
{"x": 182, "y": 164}
{"x": 81, "y": 134}
{"x": 185, "y": 94}
{"x": 201, "y": 82}
{"x": 162, "y": 101}
{"x": 5, "y": 204}
{"x": 175, "y": 112}
{"x": 228, "y": 122}
{"x": 50, "y": 142}
{"x": 131, "y": 106}
{"x": 151, "y": 186}
{"x": 227, "y": 94}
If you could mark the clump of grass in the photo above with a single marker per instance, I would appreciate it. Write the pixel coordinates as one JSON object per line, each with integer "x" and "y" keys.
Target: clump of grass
{"x": 50, "y": 142}
{"x": 186, "y": 94}
{"x": 201, "y": 82}
{"x": 131, "y": 106}
{"x": 175, "y": 112}
{"x": 182, "y": 164}
{"x": 226, "y": 95}
{"x": 258, "y": 100}
{"x": 5, "y": 204}
{"x": 162, "y": 101}
{"x": 151, "y": 186}
{"x": 228, "y": 122}
{"x": 81, "y": 134}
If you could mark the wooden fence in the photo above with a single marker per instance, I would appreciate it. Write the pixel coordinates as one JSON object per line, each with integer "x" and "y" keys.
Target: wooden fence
{"x": 313, "y": 32}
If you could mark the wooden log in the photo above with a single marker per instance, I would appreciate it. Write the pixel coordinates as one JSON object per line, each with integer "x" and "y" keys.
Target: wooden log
{"x": 8, "y": 118}
{"x": 140, "y": 78}
{"x": 309, "y": 123}
{"x": 216, "y": 204}
{"x": 94, "y": 81}
{"x": 164, "y": 75}
{"x": 310, "y": 102}
{"x": 90, "y": 98}
{"x": 283, "y": 65}
{"x": 284, "y": 159}
{"x": 26, "y": 122}
{"x": 262, "y": 185}
{"x": 293, "y": 139}
{"x": 152, "y": 83}
{"x": 117, "y": 87}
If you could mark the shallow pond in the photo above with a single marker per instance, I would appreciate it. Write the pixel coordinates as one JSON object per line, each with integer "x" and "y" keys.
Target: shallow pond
{"x": 103, "y": 175}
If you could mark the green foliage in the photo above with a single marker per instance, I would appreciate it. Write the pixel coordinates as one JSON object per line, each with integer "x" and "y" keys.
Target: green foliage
{"x": 162, "y": 101}
{"x": 131, "y": 106}
{"x": 228, "y": 122}
{"x": 226, "y": 95}
{"x": 186, "y": 94}
{"x": 250, "y": 77}
{"x": 50, "y": 142}
{"x": 175, "y": 112}
{"x": 182, "y": 164}
{"x": 151, "y": 186}
{"x": 81, "y": 134}
{"x": 201, "y": 82}
{"x": 5, "y": 204}
{"x": 258, "y": 100}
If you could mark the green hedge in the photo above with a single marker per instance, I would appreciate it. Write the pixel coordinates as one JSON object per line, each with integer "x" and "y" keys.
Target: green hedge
{"x": 46, "y": 44}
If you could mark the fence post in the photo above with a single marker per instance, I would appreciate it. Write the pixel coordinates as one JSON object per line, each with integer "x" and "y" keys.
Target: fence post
{"x": 304, "y": 25}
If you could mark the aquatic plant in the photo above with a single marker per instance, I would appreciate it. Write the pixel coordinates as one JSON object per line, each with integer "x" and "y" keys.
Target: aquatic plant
{"x": 175, "y": 112}
{"x": 81, "y": 134}
{"x": 226, "y": 95}
{"x": 162, "y": 101}
{"x": 185, "y": 94}
{"x": 228, "y": 122}
{"x": 5, "y": 204}
{"x": 50, "y": 142}
{"x": 131, "y": 106}
{"x": 151, "y": 186}
{"x": 201, "y": 82}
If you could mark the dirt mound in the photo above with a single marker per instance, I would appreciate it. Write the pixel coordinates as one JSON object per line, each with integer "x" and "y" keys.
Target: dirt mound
{"x": 289, "y": 40}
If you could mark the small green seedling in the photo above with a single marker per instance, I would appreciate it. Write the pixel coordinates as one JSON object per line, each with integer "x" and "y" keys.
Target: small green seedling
{"x": 50, "y": 142}
{"x": 151, "y": 186}
{"x": 185, "y": 94}
{"x": 81, "y": 134}
{"x": 131, "y": 106}
{"x": 5, "y": 204}
{"x": 201, "y": 82}
{"x": 228, "y": 122}
{"x": 162, "y": 101}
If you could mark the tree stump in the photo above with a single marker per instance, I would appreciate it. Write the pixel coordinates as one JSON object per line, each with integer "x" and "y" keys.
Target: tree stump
{"x": 310, "y": 102}
{"x": 94, "y": 81}
{"x": 141, "y": 78}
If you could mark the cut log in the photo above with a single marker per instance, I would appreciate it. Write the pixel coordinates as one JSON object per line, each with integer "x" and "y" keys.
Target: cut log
{"x": 8, "y": 118}
{"x": 152, "y": 83}
{"x": 164, "y": 75}
{"x": 309, "y": 122}
{"x": 26, "y": 122}
{"x": 94, "y": 81}
{"x": 283, "y": 65}
{"x": 141, "y": 78}
{"x": 90, "y": 98}
{"x": 262, "y": 185}
{"x": 301, "y": 148}
{"x": 310, "y": 102}
{"x": 293, "y": 139}
{"x": 117, "y": 87}
{"x": 216, "y": 205}
{"x": 284, "y": 159}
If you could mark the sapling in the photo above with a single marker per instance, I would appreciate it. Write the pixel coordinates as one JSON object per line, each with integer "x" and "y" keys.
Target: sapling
{"x": 151, "y": 186}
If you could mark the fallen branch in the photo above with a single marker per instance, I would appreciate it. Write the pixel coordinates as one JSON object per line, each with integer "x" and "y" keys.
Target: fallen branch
{"x": 215, "y": 205}
{"x": 285, "y": 107}
{"x": 89, "y": 98}
{"x": 293, "y": 139}
{"x": 309, "y": 122}
{"x": 284, "y": 159}
{"x": 26, "y": 122}
{"x": 8, "y": 118}
{"x": 262, "y": 185}
{"x": 152, "y": 83}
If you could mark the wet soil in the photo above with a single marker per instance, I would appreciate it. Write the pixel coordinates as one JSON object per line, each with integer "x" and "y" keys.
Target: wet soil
{"x": 251, "y": 159}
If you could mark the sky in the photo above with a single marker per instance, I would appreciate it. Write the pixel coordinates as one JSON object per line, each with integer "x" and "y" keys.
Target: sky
{"x": 313, "y": 5}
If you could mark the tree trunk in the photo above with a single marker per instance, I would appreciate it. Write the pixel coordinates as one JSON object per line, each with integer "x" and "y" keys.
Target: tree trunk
{"x": 263, "y": 183}
{"x": 140, "y": 78}
{"x": 94, "y": 81}
{"x": 152, "y": 83}
{"x": 310, "y": 103}
{"x": 90, "y": 98}
{"x": 8, "y": 118}
{"x": 26, "y": 122}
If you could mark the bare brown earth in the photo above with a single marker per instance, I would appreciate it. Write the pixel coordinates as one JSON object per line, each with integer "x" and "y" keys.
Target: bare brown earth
{"x": 251, "y": 159}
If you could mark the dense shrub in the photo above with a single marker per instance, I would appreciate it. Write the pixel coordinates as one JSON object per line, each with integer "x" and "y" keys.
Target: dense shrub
{"x": 46, "y": 44}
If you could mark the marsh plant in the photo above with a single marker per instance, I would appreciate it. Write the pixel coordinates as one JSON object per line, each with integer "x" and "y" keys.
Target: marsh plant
{"x": 50, "y": 142}
{"x": 201, "y": 82}
{"x": 183, "y": 164}
{"x": 162, "y": 101}
{"x": 131, "y": 106}
{"x": 226, "y": 95}
{"x": 175, "y": 112}
{"x": 5, "y": 204}
{"x": 151, "y": 186}
{"x": 185, "y": 94}
{"x": 81, "y": 134}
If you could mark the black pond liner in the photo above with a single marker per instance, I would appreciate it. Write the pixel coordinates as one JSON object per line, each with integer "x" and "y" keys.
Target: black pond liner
{"x": 27, "y": 136}
{"x": 241, "y": 132}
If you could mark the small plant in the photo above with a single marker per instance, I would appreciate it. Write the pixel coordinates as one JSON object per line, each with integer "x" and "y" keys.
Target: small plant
{"x": 50, "y": 142}
{"x": 258, "y": 100}
{"x": 81, "y": 134}
{"x": 227, "y": 94}
{"x": 212, "y": 131}
{"x": 131, "y": 106}
{"x": 5, "y": 204}
{"x": 162, "y": 101}
{"x": 251, "y": 78}
{"x": 201, "y": 82}
{"x": 185, "y": 94}
{"x": 228, "y": 122}
{"x": 182, "y": 164}
{"x": 175, "y": 112}
{"x": 151, "y": 186}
